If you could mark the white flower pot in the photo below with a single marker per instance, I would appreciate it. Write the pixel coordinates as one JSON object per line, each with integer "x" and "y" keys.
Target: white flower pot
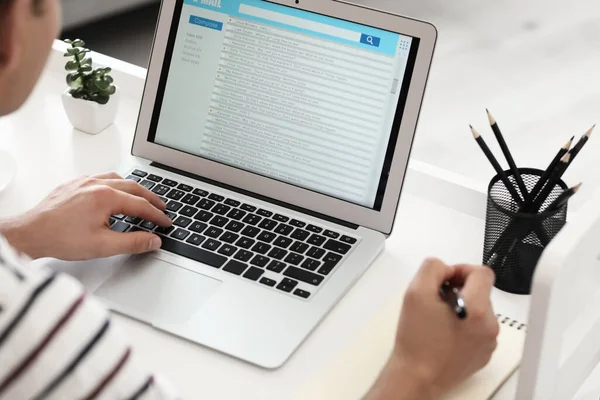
{"x": 89, "y": 116}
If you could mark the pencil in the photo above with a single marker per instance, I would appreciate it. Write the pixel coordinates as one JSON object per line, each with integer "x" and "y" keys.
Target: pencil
{"x": 560, "y": 170}
{"x": 582, "y": 142}
{"x": 564, "y": 198}
{"x": 507, "y": 154}
{"x": 490, "y": 156}
{"x": 544, "y": 178}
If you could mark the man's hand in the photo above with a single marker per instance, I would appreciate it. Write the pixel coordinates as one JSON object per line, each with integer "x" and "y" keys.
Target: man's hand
{"x": 72, "y": 222}
{"x": 435, "y": 351}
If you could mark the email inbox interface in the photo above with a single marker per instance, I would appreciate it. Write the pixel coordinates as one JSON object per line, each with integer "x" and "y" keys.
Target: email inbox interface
{"x": 295, "y": 96}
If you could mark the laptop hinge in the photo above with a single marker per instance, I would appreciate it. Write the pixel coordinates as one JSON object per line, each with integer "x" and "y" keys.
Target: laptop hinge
{"x": 256, "y": 196}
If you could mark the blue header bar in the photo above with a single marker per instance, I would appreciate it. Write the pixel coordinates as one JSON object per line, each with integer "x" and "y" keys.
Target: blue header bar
{"x": 341, "y": 31}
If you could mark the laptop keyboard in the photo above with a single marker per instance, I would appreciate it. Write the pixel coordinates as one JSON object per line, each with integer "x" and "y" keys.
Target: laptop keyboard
{"x": 240, "y": 238}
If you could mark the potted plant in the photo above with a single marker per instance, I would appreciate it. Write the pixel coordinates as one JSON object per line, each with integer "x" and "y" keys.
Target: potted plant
{"x": 91, "y": 101}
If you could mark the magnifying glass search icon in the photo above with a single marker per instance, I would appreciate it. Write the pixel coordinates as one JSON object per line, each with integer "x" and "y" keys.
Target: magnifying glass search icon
{"x": 370, "y": 40}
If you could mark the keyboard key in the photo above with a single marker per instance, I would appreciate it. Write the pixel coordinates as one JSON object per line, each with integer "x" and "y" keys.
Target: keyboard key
{"x": 252, "y": 219}
{"x": 174, "y": 206}
{"x": 204, "y": 216}
{"x": 180, "y": 234}
{"x": 248, "y": 207}
{"x": 194, "y": 253}
{"x": 236, "y": 214}
{"x": 118, "y": 216}
{"x": 219, "y": 221}
{"x": 268, "y": 224}
{"x": 245, "y": 243}
{"x": 330, "y": 261}
{"x": 161, "y": 190}
{"x": 304, "y": 276}
{"x": 213, "y": 232}
{"x": 277, "y": 253}
{"x": 316, "y": 253}
{"x": 234, "y": 226}
{"x": 120, "y": 227}
{"x": 284, "y": 229}
{"x": 229, "y": 237}
{"x": 283, "y": 242}
{"x": 196, "y": 239}
{"x": 264, "y": 213}
{"x": 299, "y": 247}
{"x": 175, "y": 194}
{"x": 134, "y": 178}
{"x": 163, "y": 199}
{"x": 250, "y": 231}
{"x": 133, "y": 220}
{"x": 302, "y": 293}
{"x": 314, "y": 228}
{"x": 287, "y": 285}
{"x": 331, "y": 234}
{"x": 276, "y": 266}
{"x": 111, "y": 221}
{"x": 232, "y": 203}
{"x": 228, "y": 250}
{"x": 254, "y": 273}
{"x": 182, "y": 222}
{"x": 200, "y": 192}
{"x": 172, "y": 216}
{"x": 235, "y": 267}
{"x": 216, "y": 197}
{"x": 137, "y": 229}
{"x": 310, "y": 264}
{"x": 148, "y": 185}
{"x": 198, "y": 227}
{"x": 221, "y": 209}
{"x": 189, "y": 211}
{"x": 266, "y": 237}
{"x": 294, "y": 259}
{"x": 184, "y": 187}
{"x": 297, "y": 224}
{"x": 300, "y": 234}
{"x": 336, "y": 246}
{"x": 191, "y": 199}
{"x": 154, "y": 178}
{"x": 164, "y": 231}
{"x": 148, "y": 225}
{"x": 260, "y": 261}
{"x": 268, "y": 282}
{"x": 141, "y": 173}
{"x": 169, "y": 182}
{"x": 281, "y": 218}
{"x": 211, "y": 245}
{"x": 261, "y": 248}
{"x": 316, "y": 240}
{"x": 244, "y": 255}
{"x": 348, "y": 239}
{"x": 206, "y": 204}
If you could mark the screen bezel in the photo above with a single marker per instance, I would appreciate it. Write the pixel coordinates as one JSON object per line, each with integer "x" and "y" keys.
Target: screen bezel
{"x": 381, "y": 220}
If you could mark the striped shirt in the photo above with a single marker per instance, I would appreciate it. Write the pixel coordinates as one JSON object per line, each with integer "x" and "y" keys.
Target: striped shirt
{"x": 58, "y": 343}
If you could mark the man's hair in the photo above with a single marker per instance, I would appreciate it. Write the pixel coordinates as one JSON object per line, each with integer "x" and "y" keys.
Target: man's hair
{"x": 36, "y": 4}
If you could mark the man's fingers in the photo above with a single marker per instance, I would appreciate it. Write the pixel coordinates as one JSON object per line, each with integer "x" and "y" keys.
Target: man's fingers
{"x": 108, "y": 175}
{"x": 134, "y": 206}
{"x": 114, "y": 243}
{"x": 478, "y": 284}
{"x": 434, "y": 273}
{"x": 135, "y": 189}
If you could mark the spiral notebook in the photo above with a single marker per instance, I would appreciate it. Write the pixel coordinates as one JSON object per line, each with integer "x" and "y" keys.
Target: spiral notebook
{"x": 351, "y": 375}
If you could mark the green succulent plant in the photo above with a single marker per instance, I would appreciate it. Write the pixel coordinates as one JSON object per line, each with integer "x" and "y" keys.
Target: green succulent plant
{"x": 85, "y": 82}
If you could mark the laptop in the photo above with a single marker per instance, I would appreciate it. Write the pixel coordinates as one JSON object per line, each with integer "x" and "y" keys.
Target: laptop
{"x": 278, "y": 133}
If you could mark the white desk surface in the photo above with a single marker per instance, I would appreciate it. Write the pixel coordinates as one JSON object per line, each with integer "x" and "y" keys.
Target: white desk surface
{"x": 49, "y": 152}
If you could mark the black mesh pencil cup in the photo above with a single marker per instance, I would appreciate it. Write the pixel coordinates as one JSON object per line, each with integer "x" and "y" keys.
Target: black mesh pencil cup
{"x": 515, "y": 238}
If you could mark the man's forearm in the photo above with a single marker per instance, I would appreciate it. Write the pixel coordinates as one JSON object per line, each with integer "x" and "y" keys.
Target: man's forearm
{"x": 15, "y": 232}
{"x": 400, "y": 382}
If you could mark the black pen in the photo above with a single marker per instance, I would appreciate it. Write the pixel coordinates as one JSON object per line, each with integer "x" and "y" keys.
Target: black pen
{"x": 454, "y": 298}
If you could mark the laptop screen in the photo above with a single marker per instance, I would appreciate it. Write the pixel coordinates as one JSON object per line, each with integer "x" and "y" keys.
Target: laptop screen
{"x": 295, "y": 96}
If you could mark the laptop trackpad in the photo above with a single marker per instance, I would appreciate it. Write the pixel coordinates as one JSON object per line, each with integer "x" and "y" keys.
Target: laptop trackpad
{"x": 156, "y": 291}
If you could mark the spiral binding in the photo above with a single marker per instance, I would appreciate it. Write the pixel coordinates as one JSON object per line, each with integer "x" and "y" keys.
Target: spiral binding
{"x": 511, "y": 322}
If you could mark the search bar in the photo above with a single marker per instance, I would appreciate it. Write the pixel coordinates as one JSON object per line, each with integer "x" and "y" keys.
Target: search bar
{"x": 310, "y": 25}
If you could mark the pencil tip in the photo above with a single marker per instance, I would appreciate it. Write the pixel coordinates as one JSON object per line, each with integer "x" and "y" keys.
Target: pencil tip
{"x": 576, "y": 188}
{"x": 490, "y": 117}
{"x": 568, "y": 145}
{"x": 589, "y": 132}
{"x": 475, "y": 133}
{"x": 566, "y": 158}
